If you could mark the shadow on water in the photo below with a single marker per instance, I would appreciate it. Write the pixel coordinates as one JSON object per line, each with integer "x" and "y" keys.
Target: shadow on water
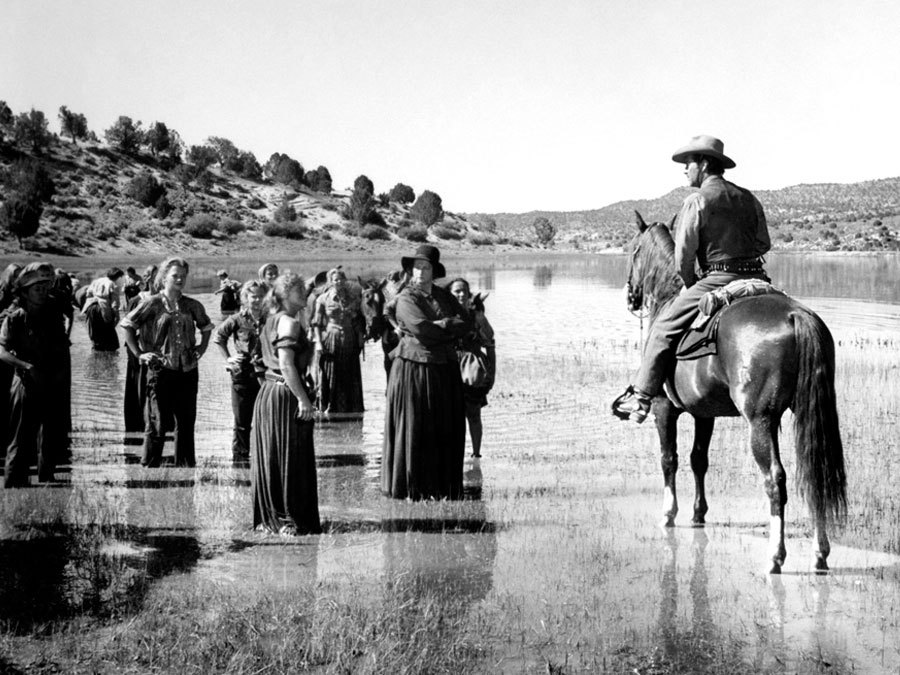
{"x": 543, "y": 276}
{"x": 57, "y": 574}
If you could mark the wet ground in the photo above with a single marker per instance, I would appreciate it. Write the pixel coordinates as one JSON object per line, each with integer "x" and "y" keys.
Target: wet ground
{"x": 554, "y": 557}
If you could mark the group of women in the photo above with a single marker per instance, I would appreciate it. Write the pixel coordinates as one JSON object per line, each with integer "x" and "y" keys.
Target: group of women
{"x": 292, "y": 350}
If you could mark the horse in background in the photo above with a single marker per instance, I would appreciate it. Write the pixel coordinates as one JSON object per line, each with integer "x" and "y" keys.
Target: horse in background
{"x": 377, "y": 299}
{"x": 773, "y": 353}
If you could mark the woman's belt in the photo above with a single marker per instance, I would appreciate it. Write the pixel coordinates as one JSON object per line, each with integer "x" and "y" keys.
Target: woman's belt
{"x": 274, "y": 377}
{"x": 735, "y": 267}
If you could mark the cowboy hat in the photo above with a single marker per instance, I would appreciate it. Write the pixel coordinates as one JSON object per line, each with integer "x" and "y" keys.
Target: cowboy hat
{"x": 704, "y": 145}
{"x": 35, "y": 273}
{"x": 429, "y": 254}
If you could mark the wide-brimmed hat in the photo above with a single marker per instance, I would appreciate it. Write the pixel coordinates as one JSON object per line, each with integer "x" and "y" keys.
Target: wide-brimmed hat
{"x": 704, "y": 145}
{"x": 429, "y": 254}
{"x": 35, "y": 273}
{"x": 221, "y": 273}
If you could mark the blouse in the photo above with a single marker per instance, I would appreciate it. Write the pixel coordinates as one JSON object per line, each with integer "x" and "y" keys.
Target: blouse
{"x": 171, "y": 328}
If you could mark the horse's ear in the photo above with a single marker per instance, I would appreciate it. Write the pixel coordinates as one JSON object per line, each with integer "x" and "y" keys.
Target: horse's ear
{"x": 359, "y": 280}
{"x": 639, "y": 219}
{"x": 672, "y": 222}
{"x": 381, "y": 285}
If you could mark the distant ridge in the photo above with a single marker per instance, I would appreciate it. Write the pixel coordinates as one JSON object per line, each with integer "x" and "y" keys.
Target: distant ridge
{"x": 791, "y": 211}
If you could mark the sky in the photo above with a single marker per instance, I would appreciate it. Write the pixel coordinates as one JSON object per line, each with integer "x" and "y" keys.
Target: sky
{"x": 496, "y": 105}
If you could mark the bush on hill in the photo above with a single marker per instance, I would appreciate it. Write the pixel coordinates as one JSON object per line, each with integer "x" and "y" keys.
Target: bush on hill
{"x": 286, "y": 213}
{"x": 31, "y": 128}
{"x": 373, "y": 232}
{"x": 286, "y": 229}
{"x": 145, "y": 189}
{"x": 402, "y": 193}
{"x": 415, "y": 233}
{"x": 428, "y": 208}
{"x": 231, "y": 226}
{"x": 20, "y": 216}
{"x": 73, "y": 125}
{"x": 445, "y": 232}
{"x": 125, "y": 135}
{"x": 200, "y": 226}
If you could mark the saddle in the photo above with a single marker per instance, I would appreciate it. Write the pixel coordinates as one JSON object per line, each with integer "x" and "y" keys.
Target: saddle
{"x": 700, "y": 339}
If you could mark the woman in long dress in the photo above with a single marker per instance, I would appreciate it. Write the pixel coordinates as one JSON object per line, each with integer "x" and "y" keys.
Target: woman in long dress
{"x": 282, "y": 457}
{"x": 425, "y": 425}
{"x": 339, "y": 324}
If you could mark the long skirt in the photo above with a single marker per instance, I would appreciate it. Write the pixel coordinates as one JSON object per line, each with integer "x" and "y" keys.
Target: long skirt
{"x": 424, "y": 432}
{"x": 282, "y": 464}
{"x": 101, "y": 326}
{"x": 340, "y": 376}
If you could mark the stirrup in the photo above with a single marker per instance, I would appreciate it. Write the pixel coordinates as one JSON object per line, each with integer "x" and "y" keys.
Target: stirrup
{"x": 639, "y": 414}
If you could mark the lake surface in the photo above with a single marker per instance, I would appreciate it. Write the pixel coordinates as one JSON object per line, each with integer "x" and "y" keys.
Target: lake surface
{"x": 556, "y": 539}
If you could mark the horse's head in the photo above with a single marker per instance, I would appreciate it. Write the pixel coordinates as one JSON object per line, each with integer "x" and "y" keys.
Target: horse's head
{"x": 372, "y": 307}
{"x": 650, "y": 261}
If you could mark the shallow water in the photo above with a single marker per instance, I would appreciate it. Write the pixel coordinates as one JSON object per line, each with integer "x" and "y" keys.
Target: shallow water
{"x": 557, "y": 535}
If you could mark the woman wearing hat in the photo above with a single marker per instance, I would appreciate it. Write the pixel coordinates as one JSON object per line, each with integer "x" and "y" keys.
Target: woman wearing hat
{"x": 425, "y": 424}
{"x": 268, "y": 273}
{"x": 33, "y": 340}
{"x": 230, "y": 290}
{"x": 338, "y": 327}
{"x": 721, "y": 230}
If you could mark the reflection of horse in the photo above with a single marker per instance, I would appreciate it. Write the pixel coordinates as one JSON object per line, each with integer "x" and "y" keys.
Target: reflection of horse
{"x": 376, "y": 295}
{"x": 773, "y": 354}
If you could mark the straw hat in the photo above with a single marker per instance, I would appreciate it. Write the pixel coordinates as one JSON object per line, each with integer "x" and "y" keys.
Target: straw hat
{"x": 704, "y": 145}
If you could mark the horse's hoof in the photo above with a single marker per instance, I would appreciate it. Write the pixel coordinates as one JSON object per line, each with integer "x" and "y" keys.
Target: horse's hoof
{"x": 667, "y": 522}
{"x": 775, "y": 568}
{"x": 698, "y": 521}
{"x": 821, "y": 566}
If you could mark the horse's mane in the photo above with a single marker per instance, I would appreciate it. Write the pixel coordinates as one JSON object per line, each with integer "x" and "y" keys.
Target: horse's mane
{"x": 656, "y": 258}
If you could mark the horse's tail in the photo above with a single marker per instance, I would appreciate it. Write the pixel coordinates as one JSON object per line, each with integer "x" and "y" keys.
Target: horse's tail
{"x": 820, "y": 454}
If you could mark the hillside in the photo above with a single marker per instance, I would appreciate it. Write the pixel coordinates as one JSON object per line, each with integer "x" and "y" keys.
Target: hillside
{"x": 827, "y": 216}
{"x": 95, "y": 209}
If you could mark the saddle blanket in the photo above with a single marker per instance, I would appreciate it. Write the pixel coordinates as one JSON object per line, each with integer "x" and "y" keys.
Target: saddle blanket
{"x": 700, "y": 338}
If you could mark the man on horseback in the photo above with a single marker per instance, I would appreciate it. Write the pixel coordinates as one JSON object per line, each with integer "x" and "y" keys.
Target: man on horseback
{"x": 721, "y": 231}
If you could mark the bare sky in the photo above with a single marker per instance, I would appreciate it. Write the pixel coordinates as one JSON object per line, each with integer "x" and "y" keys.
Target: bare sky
{"x": 495, "y": 105}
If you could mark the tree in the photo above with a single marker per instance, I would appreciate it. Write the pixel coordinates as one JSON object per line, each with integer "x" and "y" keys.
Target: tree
{"x": 323, "y": 180}
{"x": 402, "y": 193}
{"x": 29, "y": 179}
{"x": 544, "y": 231}
{"x": 6, "y": 120}
{"x": 157, "y": 138}
{"x": 202, "y": 156}
{"x": 225, "y": 150}
{"x": 428, "y": 208}
{"x": 21, "y": 216}
{"x": 72, "y": 124}
{"x": 125, "y": 135}
{"x": 282, "y": 169}
{"x": 145, "y": 189}
{"x": 286, "y": 212}
{"x": 31, "y": 127}
{"x": 247, "y": 167}
{"x": 362, "y": 201}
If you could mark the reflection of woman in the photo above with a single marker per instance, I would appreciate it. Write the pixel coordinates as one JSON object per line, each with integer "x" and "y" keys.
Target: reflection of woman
{"x": 338, "y": 324}
{"x": 33, "y": 340}
{"x": 480, "y": 342}
{"x": 171, "y": 355}
{"x": 425, "y": 427}
{"x": 243, "y": 329}
{"x": 282, "y": 457}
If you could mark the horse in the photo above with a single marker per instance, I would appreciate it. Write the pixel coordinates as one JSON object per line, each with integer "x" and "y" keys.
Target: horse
{"x": 773, "y": 353}
{"x": 376, "y": 297}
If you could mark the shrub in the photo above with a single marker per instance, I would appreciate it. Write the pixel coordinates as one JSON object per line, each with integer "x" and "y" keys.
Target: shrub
{"x": 31, "y": 128}
{"x": 486, "y": 224}
{"x": 232, "y": 226}
{"x": 162, "y": 208}
{"x": 286, "y": 213}
{"x": 29, "y": 179}
{"x": 21, "y": 217}
{"x": 402, "y": 193}
{"x": 72, "y": 124}
{"x": 185, "y": 173}
{"x": 544, "y": 232}
{"x": 282, "y": 169}
{"x": 374, "y": 232}
{"x": 444, "y": 232}
{"x": 286, "y": 229}
{"x": 428, "y": 208}
{"x": 145, "y": 189}
{"x": 200, "y": 226}
{"x": 479, "y": 239}
{"x": 416, "y": 234}
{"x": 202, "y": 156}
{"x": 255, "y": 203}
{"x": 362, "y": 201}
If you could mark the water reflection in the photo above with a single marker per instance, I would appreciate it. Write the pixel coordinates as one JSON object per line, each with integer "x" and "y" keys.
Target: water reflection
{"x": 677, "y": 644}
{"x": 60, "y": 574}
{"x": 543, "y": 276}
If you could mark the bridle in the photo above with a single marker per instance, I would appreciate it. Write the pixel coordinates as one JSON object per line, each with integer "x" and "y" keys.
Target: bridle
{"x": 637, "y": 305}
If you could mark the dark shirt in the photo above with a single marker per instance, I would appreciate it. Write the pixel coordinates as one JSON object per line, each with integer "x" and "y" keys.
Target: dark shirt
{"x": 173, "y": 329}
{"x": 38, "y": 338}
{"x": 243, "y": 329}
{"x": 429, "y": 325}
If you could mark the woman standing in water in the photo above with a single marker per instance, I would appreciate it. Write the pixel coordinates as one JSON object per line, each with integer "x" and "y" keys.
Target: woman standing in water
{"x": 425, "y": 424}
{"x": 338, "y": 324}
{"x": 33, "y": 341}
{"x": 480, "y": 344}
{"x": 282, "y": 457}
{"x": 172, "y": 355}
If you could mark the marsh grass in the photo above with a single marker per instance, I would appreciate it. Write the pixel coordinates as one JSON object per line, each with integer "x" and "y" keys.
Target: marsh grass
{"x": 557, "y": 567}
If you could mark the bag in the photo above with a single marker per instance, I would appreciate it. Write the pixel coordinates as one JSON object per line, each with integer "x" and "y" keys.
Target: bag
{"x": 473, "y": 368}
